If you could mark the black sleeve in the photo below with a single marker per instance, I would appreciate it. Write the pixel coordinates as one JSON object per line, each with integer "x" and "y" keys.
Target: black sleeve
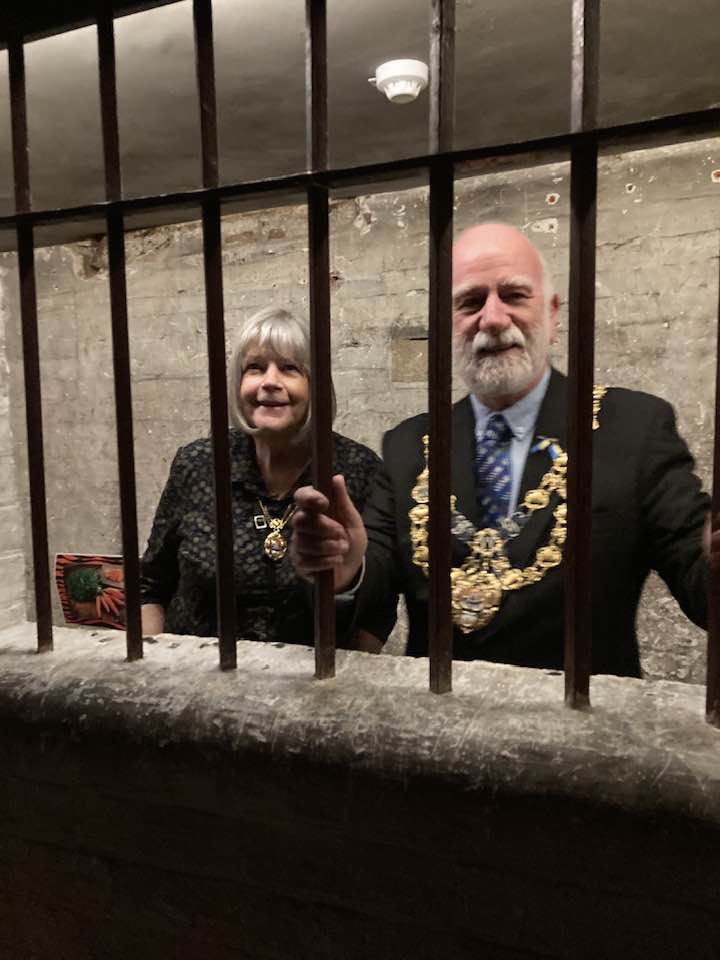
{"x": 378, "y": 593}
{"x": 674, "y": 511}
{"x": 159, "y": 564}
{"x": 375, "y": 614}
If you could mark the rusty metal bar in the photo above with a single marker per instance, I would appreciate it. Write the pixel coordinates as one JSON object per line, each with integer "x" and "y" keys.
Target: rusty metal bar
{"x": 316, "y": 108}
{"x": 321, "y": 400}
{"x": 31, "y": 348}
{"x": 713, "y": 654}
{"x": 442, "y": 76}
{"x": 628, "y": 136}
{"x": 585, "y": 65}
{"x": 18, "y": 122}
{"x": 442, "y": 54}
{"x": 43, "y": 19}
{"x": 205, "y": 63}
{"x": 120, "y": 342}
{"x": 316, "y": 133}
{"x": 581, "y": 355}
{"x": 440, "y": 409}
{"x": 581, "y": 352}
{"x": 215, "y": 314}
{"x": 108, "y": 102}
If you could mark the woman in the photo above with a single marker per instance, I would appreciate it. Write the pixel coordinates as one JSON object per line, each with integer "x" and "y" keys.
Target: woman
{"x": 269, "y": 405}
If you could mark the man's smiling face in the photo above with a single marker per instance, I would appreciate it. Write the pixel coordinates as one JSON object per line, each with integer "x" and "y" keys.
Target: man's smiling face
{"x": 503, "y": 319}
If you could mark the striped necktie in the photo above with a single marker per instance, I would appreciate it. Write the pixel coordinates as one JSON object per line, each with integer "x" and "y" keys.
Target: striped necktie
{"x": 493, "y": 472}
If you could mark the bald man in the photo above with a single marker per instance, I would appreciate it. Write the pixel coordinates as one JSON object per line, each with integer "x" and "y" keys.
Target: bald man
{"x": 508, "y": 479}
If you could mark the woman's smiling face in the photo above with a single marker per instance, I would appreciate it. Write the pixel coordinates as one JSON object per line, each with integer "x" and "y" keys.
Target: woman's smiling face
{"x": 274, "y": 392}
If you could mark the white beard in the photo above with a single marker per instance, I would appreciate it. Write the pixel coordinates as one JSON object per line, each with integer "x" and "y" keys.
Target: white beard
{"x": 507, "y": 373}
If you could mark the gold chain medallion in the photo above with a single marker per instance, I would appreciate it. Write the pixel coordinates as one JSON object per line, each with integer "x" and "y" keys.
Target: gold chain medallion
{"x": 275, "y": 544}
{"x": 477, "y": 587}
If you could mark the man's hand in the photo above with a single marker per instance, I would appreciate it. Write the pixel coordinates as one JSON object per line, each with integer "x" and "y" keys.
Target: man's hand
{"x": 327, "y": 536}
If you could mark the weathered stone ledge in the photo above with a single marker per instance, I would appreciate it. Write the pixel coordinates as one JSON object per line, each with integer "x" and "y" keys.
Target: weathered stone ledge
{"x": 644, "y": 748}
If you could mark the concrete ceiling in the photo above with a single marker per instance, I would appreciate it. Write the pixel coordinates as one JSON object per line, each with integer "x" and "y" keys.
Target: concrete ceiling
{"x": 513, "y": 65}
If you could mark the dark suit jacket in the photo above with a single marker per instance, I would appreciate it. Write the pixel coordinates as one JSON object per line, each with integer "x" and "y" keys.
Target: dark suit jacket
{"x": 648, "y": 513}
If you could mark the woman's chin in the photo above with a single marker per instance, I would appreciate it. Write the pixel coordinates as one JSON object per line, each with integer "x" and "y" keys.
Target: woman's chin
{"x": 275, "y": 426}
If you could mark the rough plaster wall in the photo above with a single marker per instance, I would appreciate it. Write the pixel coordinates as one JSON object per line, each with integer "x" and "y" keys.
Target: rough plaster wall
{"x": 12, "y": 533}
{"x": 657, "y": 303}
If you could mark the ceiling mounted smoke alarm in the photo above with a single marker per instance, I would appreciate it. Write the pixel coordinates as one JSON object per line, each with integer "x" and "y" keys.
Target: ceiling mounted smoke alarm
{"x": 401, "y": 80}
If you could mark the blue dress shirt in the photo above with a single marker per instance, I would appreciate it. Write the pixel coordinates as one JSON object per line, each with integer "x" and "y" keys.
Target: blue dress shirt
{"x": 521, "y": 417}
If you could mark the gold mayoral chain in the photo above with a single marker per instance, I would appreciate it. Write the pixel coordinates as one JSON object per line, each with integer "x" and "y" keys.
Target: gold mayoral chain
{"x": 275, "y": 544}
{"x": 477, "y": 587}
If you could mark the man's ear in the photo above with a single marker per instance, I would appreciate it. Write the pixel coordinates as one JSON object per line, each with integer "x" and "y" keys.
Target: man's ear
{"x": 554, "y": 307}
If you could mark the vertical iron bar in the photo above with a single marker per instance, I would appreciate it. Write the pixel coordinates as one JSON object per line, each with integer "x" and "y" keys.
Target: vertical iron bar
{"x": 442, "y": 76}
{"x": 108, "y": 101}
{"x": 212, "y": 258}
{"x": 713, "y": 654}
{"x": 316, "y": 134}
{"x": 205, "y": 65}
{"x": 316, "y": 108}
{"x": 585, "y": 65}
{"x": 31, "y": 347}
{"x": 321, "y": 400}
{"x": 442, "y": 56}
{"x": 581, "y": 349}
{"x": 119, "y": 323}
{"x": 581, "y": 355}
{"x": 439, "y": 378}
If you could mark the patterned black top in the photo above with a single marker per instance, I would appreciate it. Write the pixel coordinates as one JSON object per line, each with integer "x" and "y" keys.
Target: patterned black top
{"x": 178, "y": 568}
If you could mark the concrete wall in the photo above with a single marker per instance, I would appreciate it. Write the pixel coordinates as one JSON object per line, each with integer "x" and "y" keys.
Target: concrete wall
{"x": 657, "y": 304}
{"x": 12, "y": 526}
{"x": 166, "y": 808}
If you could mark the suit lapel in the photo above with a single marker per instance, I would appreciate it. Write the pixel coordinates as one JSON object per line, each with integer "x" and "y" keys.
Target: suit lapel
{"x": 551, "y": 422}
{"x": 463, "y": 459}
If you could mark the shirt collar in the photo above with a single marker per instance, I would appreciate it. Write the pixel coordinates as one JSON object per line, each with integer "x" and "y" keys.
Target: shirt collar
{"x": 521, "y": 416}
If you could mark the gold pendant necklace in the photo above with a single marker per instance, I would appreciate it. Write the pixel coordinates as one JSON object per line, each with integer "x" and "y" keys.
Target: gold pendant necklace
{"x": 275, "y": 544}
{"x": 478, "y": 586}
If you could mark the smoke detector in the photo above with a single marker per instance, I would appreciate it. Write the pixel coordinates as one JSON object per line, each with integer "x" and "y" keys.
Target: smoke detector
{"x": 401, "y": 80}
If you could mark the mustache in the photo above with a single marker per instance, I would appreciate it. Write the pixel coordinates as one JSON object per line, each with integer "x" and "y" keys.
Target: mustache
{"x": 484, "y": 341}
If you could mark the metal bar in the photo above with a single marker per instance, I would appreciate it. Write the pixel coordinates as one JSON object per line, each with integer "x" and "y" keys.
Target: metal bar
{"x": 108, "y": 101}
{"x": 205, "y": 64}
{"x": 440, "y": 409}
{"x": 120, "y": 341}
{"x": 18, "y": 124}
{"x": 31, "y": 349}
{"x": 214, "y": 306}
{"x": 124, "y": 427}
{"x": 623, "y": 137}
{"x": 581, "y": 355}
{"x": 316, "y": 110}
{"x": 713, "y": 654}
{"x": 38, "y": 20}
{"x": 321, "y": 400}
{"x": 442, "y": 76}
{"x": 585, "y": 65}
{"x": 316, "y": 133}
{"x": 442, "y": 69}
{"x": 215, "y": 314}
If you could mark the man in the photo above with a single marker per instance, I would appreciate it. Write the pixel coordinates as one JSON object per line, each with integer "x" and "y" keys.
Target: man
{"x": 508, "y": 476}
